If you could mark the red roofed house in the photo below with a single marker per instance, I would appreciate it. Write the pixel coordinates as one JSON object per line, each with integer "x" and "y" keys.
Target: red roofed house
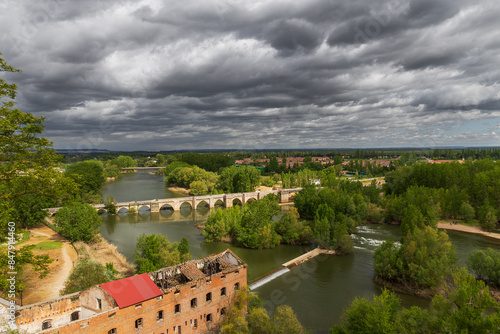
{"x": 187, "y": 298}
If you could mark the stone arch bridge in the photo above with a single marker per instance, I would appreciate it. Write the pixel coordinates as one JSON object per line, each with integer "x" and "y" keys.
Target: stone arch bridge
{"x": 225, "y": 200}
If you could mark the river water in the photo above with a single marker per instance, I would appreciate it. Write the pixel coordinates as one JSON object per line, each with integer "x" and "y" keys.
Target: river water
{"x": 317, "y": 290}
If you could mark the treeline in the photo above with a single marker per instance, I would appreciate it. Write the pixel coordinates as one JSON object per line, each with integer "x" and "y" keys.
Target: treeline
{"x": 457, "y": 191}
{"x": 200, "y": 182}
{"x": 467, "y": 308}
{"x": 257, "y": 224}
{"x": 333, "y": 212}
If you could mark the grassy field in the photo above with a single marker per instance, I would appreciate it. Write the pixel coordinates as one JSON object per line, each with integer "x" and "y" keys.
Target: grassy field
{"x": 48, "y": 245}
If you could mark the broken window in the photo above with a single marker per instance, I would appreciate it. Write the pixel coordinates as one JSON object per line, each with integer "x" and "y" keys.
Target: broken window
{"x": 47, "y": 324}
{"x": 75, "y": 315}
{"x": 194, "y": 302}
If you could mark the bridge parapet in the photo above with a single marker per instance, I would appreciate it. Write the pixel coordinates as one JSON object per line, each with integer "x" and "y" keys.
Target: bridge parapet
{"x": 156, "y": 205}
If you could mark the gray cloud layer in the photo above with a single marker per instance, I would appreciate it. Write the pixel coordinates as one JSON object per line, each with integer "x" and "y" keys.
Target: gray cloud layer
{"x": 191, "y": 74}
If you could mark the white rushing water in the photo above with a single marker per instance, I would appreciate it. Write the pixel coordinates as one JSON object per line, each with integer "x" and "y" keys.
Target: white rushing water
{"x": 268, "y": 278}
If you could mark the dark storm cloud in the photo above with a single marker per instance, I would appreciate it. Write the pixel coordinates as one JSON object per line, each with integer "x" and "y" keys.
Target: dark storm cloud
{"x": 231, "y": 73}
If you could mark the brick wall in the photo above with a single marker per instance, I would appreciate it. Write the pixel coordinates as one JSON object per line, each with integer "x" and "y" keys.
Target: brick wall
{"x": 124, "y": 320}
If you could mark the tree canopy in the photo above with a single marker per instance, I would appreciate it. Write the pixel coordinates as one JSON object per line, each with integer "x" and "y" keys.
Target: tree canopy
{"x": 78, "y": 221}
{"x": 154, "y": 252}
{"x": 29, "y": 165}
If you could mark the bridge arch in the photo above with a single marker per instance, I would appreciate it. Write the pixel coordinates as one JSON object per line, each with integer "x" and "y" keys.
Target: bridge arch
{"x": 219, "y": 204}
{"x": 167, "y": 206}
{"x": 122, "y": 210}
{"x": 250, "y": 200}
{"x": 237, "y": 201}
{"x": 202, "y": 204}
{"x": 143, "y": 208}
{"x": 185, "y": 205}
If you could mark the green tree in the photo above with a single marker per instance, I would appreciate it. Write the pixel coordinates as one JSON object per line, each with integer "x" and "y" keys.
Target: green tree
{"x": 467, "y": 309}
{"x": 78, "y": 222}
{"x": 24, "y": 259}
{"x": 425, "y": 258}
{"x": 467, "y": 212}
{"x": 110, "y": 205}
{"x": 154, "y": 252}
{"x": 284, "y": 321}
{"x": 86, "y": 274}
{"x": 485, "y": 265}
{"x": 370, "y": 317}
{"x": 488, "y": 221}
{"x": 28, "y": 171}
{"x": 124, "y": 161}
{"x": 239, "y": 179}
{"x": 88, "y": 174}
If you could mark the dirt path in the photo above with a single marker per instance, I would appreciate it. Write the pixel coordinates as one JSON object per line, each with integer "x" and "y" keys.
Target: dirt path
{"x": 36, "y": 289}
{"x": 468, "y": 229}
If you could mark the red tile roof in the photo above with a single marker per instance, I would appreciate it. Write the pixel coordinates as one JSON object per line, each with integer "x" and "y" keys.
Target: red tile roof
{"x": 132, "y": 290}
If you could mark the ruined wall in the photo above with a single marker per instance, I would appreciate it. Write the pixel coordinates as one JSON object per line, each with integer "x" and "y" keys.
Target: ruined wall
{"x": 124, "y": 319}
{"x": 58, "y": 311}
{"x": 90, "y": 299}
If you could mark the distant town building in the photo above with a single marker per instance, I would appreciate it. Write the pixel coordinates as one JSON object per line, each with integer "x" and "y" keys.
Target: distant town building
{"x": 187, "y": 298}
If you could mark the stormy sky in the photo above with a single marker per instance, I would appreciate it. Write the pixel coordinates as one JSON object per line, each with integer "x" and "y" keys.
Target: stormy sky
{"x": 239, "y": 74}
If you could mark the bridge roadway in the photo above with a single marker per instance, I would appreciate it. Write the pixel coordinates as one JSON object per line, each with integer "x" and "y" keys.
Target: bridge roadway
{"x": 226, "y": 200}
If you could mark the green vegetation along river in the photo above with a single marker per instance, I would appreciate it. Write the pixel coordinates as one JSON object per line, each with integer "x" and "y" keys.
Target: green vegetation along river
{"x": 317, "y": 290}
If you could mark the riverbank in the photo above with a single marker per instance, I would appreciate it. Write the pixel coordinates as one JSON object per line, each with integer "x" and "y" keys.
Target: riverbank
{"x": 468, "y": 229}
{"x": 179, "y": 190}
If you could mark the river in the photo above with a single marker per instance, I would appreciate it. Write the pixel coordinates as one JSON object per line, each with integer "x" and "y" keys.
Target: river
{"x": 317, "y": 290}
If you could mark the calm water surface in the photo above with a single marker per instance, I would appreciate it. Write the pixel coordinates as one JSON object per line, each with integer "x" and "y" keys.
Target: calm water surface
{"x": 317, "y": 290}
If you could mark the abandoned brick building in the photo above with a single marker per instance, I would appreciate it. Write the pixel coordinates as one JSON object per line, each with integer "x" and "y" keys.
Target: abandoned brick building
{"x": 186, "y": 298}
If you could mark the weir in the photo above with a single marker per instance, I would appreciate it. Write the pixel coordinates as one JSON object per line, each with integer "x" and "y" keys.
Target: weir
{"x": 269, "y": 277}
{"x": 285, "y": 267}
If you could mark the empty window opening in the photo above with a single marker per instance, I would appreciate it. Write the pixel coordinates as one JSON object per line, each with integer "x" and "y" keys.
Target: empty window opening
{"x": 159, "y": 315}
{"x": 138, "y": 323}
{"x": 223, "y": 291}
{"x": 47, "y": 324}
{"x": 194, "y": 302}
{"x": 209, "y": 317}
{"x": 195, "y": 323}
{"x": 178, "y": 308}
{"x": 75, "y": 315}
{"x": 99, "y": 304}
{"x": 209, "y": 296}
{"x": 138, "y": 306}
{"x": 223, "y": 311}
{"x": 236, "y": 286}
{"x": 112, "y": 331}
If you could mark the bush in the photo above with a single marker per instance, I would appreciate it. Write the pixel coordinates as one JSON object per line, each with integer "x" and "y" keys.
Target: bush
{"x": 78, "y": 222}
{"x": 86, "y": 274}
